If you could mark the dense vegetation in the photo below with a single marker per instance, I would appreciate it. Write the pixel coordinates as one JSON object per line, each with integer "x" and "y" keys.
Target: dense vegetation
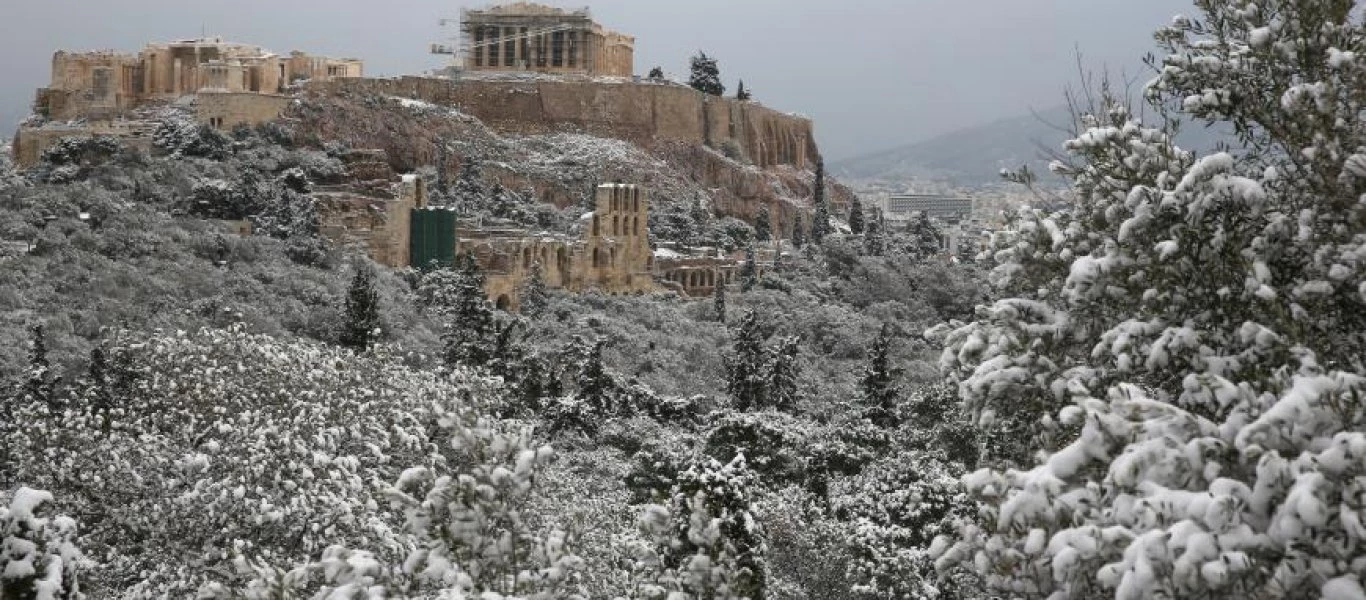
{"x": 268, "y": 416}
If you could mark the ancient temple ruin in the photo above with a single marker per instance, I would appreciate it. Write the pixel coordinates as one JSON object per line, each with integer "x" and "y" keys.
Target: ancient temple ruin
{"x": 524, "y": 36}
{"x": 105, "y": 85}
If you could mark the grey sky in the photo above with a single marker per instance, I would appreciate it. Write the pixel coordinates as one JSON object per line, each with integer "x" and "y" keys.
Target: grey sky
{"x": 872, "y": 73}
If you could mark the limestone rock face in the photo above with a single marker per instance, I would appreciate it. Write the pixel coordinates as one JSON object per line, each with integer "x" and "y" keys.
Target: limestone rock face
{"x": 561, "y": 139}
{"x": 643, "y": 113}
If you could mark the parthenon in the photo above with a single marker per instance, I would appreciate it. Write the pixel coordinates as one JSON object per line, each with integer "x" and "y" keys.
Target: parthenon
{"x": 524, "y": 36}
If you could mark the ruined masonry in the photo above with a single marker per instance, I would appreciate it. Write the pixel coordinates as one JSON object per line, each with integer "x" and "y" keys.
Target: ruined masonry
{"x": 524, "y": 36}
{"x": 98, "y": 93}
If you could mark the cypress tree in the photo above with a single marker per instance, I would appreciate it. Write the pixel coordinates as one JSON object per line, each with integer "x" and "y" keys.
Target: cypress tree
{"x": 656, "y": 73}
{"x": 361, "y": 319}
{"x": 749, "y": 272}
{"x": 875, "y": 237}
{"x": 782, "y": 375}
{"x": 41, "y": 384}
{"x": 741, "y": 93}
{"x": 856, "y": 216}
{"x": 798, "y": 232}
{"x": 820, "y": 221}
{"x": 534, "y": 294}
{"x": 719, "y": 300}
{"x": 878, "y": 384}
{"x": 596, "y": 386}
{"x": 763, "y": 225}
{"x": 746, "y": 366}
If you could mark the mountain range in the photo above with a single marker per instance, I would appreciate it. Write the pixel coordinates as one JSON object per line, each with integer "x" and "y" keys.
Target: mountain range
{"x": 974, "y": 156}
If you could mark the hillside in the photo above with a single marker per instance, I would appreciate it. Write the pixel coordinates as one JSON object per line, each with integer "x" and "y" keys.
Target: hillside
{"x": 974, "y": 156}
{"x": 254, "y": 451}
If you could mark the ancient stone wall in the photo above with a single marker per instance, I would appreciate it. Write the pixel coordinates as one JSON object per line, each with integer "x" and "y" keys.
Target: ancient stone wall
{"x": 381, "y": 227}
{"x": 642, "y": 113}
{"x": 226, "y": 110}
{"x": 613, "y": 255}
{"x": 31, "y": 142}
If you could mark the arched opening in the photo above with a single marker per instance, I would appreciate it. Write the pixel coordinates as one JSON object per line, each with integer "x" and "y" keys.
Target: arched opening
{"x": 614, "y": 256}
{"x": 503, "y": 302}
{"x": 595, "y": 226}
{"x": 616, "y": 225}
{"x": 562, "y": 259}
{"x": 597, "y": 257}
{"x": 526, "y": 258}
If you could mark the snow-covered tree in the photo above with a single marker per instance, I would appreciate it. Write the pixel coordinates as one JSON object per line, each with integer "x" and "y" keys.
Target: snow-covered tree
{"x": 360, "y": 316}
{"x": 706, "y": 76}
{"x": 718, "y": 303}
{"x": 763, "y": 225}
{"x": 820, "y": 218}
{"x": 39, "y": 558}
{"x": 856, "y": 216}
{"x": 472, "y": 327}
{"x": 798, "y": 232}
{"x": 746, "y": 372}
{"x": 534, "y": 294}
{"x": 749, "y": 271}
{"x": 783, "y": 374}
{"x": 922, "y": 238}
{"x": 878, "y": 384}
{"x": 656, "y": 73}
{"x": 741, "y": 93}
{"x": 875, "y": 237}
{"x": 1186, "y": 342}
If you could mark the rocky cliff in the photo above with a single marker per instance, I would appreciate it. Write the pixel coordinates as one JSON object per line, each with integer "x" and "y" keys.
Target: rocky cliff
{"x": 559, "y": 139}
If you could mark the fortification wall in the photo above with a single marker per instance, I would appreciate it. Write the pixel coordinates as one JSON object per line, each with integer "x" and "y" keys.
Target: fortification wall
{"x": 642, "y": 113}
{"x": 226, "y": 110}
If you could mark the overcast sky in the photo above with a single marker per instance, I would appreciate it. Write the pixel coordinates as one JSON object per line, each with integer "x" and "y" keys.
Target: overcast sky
{"x": 874, "y": 74}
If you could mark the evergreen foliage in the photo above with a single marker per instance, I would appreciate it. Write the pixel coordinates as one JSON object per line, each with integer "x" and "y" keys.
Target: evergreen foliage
{"x": 875, "y": 237}
{"x": 361, "y": 325}
{"x": 534, "y": 294}
{"x": 741, "y": 93}
{"x": 923, "y": 238}
{"x": 656, "y": 73}
{"x": 749, "y": 271}
{"x": 746, "y": 366}
{"x": 856, "y": 216}
{"x": 783, "y": 375}
{"x": 706, "y": 75}
{"x": 820, "y": 219}
{"x": 472, "y": 325}
{"x": 763, "y": 225}
{"x": 878, "y": 385}
{"x": 798, "y": 232}
{"x": 719, "y": 301}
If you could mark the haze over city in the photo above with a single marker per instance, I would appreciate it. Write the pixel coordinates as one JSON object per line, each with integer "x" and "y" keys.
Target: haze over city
{"x": 873, "y": 74}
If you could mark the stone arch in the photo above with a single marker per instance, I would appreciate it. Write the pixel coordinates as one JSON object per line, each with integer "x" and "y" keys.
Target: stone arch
{"x": 562, "y": 261}
{"x": 503, "y": 302}
{"x": 526, "y": 257}
{"x": 616, "y": 225}
{"x": 613, "y": 253}
{"x": 597, "y": 257}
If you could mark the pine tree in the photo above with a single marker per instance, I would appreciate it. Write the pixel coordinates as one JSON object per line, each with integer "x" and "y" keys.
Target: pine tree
{"x": 534, "y": 293}
{"x": 706, "y": 75}
{"x": 101, "y": 386}
{"x": 820, "y": 221}
{"x": 361, "y": 322}
{"x": 856, "y": 216}
{"x": 656, "y": 73}
{"x": 782, "y": 375}
{"x": 798, "y": 232}
{"x": 719, "y": 300}
{"x": 741, "y": 93}
{"x": 749, "y": 272}
{"x": 763, "y": 225}
{"x": 878, "y": 384}
{"x": 746, "y": 370}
